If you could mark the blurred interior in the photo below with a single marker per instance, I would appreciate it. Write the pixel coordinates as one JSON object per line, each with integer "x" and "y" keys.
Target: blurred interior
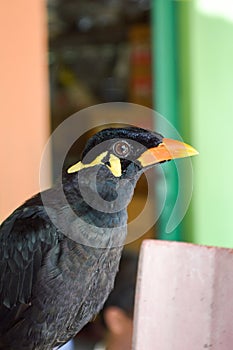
{"x": 99, "y": 52}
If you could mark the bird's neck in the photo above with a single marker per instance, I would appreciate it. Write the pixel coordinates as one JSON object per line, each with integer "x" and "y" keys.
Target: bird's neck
{"x": 100, "y": 205}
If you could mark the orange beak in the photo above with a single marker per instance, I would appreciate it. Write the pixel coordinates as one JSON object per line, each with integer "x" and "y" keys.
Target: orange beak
{"x": 167, "y": 150}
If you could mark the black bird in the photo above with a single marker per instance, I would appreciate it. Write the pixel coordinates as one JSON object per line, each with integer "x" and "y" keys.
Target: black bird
{"x": 60, "y": 250}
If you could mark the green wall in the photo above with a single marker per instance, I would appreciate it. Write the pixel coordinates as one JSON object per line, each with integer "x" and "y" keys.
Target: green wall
{"x": 211, "y": 82}
{"x": 193, "y": 75}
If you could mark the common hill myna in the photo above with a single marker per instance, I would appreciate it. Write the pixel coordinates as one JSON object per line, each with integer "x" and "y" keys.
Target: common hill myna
{"x": 60, "y": 250}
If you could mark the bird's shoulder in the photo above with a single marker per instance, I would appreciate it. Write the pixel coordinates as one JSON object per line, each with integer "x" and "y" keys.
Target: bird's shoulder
{"x": 25, "y": 238}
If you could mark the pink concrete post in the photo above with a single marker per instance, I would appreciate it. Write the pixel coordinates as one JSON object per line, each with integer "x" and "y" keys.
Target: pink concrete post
{"x": 184, "y": 297}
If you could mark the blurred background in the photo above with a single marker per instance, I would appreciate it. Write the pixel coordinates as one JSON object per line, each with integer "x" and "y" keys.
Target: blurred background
{"x": 58, "y": 57}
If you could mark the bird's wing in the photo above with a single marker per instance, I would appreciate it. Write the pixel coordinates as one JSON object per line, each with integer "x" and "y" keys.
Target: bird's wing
{"x": 25, "y": 238}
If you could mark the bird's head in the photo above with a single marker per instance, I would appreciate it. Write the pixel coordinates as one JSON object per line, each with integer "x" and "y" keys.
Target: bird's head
{"x": 105, "y": 177}
{"x": 126, "y": 152}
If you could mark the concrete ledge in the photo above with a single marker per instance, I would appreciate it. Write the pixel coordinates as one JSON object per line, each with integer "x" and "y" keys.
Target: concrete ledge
{"x": 184, "y": 297}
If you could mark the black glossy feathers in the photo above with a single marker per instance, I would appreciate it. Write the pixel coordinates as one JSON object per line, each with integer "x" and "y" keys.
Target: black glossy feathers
{"x": 59, "y": 257}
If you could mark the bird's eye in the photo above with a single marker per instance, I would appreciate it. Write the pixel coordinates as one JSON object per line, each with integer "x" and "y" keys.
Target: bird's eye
{"x": 121, "y": 148}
